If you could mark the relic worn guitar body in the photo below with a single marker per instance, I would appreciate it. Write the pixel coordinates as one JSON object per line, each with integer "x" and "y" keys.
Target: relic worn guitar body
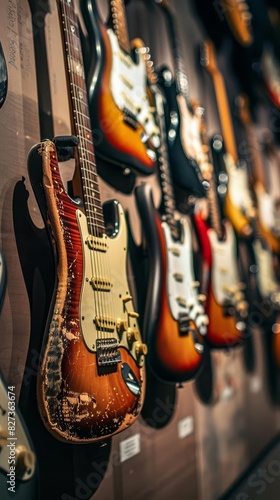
{"x": 91, "y": 380}
{"x": 123, "y": 121}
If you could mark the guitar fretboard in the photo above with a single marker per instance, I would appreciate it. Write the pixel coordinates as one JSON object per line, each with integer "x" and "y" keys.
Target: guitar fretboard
{"x": 80, "y": 117}
{"x": 119, "y": 24}
{"x": 168, "y": 199}
{"x": 181, "y": 78}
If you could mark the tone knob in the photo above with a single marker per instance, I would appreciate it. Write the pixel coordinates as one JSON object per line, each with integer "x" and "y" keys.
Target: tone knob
{"x": 141, "y": 349}
{"x": 121, "y": 326}
{"x": 25, "y": 461}
{"x": 132, "y": 335}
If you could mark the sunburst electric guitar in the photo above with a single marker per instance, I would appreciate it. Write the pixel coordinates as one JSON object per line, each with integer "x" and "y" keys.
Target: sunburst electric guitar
{"x": 125, "y": 131}
{"x": 239, "y": 204}
{"x": 176, "y": 342}
{"x": 225, "y": 305}
{"x": 91, "y": 381}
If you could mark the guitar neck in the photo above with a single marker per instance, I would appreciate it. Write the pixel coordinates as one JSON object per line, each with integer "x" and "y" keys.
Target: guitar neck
{"x": 119, "y": 24}
{"x": 223, "y": 107}
{"x": 80, "y": 117}
{"x": 168, "y": 198}
{"x": 181, "y": 78}
{"x": 214, "y": 209}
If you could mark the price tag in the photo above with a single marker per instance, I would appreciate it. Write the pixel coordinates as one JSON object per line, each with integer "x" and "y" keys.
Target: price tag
{"x": 185, "y": 427}
{"x": 130, "y": 447}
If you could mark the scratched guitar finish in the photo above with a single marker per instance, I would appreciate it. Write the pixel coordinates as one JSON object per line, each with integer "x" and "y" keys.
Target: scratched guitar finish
{"x": 91, "y": 381}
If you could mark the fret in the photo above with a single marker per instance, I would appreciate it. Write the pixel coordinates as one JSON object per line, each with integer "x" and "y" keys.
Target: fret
{"x": 81, "y": 120}
{"x": 78, "y": 93}
{"x": 119, "y": 24}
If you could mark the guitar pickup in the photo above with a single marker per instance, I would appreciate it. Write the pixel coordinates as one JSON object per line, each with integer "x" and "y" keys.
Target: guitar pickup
{"x": 178, "y": 277}
{"x": 101, "y": 284}
{"x": 105, "y": 323}
{"x": 107, "y": 352}
{"x": 97, "y": 244}
{"x": 181, "y": 301}
{"x": 175, "y": 251}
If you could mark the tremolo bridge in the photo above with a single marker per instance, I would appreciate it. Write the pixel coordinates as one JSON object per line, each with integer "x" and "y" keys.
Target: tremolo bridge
{"x": 107, "y": 352}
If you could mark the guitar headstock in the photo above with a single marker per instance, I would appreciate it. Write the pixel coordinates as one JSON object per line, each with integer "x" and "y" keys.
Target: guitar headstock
{"x": 208, "y": 57}
{"x": 238, "y": 17}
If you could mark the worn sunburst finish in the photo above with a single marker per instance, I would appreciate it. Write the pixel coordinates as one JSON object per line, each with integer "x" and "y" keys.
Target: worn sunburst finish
{"x": 122, "y": 134}
{"x": 91, "y": 378}
{"x": 79, "y": 400}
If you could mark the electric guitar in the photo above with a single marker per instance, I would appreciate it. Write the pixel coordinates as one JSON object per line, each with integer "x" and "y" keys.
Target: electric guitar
{"x": 176, "y": 342}
{"x": 3, "y": 77}
{"x": 122, "y": 114}
{"x": 239, "y": 206}
{"x": 266, "y": 210}
{"x": 225, "y": 305}
{"x": 182, "y": 122}
{"x": 91, "y": 380}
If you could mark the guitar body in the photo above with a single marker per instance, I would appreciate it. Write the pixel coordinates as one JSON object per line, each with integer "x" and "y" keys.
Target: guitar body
{"x": 91, "y": 380}
{"x": 183, "y": 129}
{"x": 221, "y": 275}
{"x": 174, "y": 355}
{"x": 124, "y": 130}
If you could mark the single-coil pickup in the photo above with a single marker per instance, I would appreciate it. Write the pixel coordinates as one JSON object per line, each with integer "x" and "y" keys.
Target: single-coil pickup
{"x": 127, "y": 82}
{"x": 101, "y": 284}
{"x": 178, "y": 277}
{"x": 181, "y": 301}
{"x": 96, "y": 243}
{"x": 175, "y": 251}
{"x": 125, "y": 59}
{"x": 105, "y": 323}
{"x": 107, "y": 352}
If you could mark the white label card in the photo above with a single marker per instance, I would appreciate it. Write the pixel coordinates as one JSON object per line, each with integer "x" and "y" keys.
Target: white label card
{"x": 185, "y": 427}
{"x": 130, "y": 447}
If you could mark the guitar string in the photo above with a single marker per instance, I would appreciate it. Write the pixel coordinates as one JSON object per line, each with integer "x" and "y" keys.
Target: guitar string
{"x": 79, "y": 128}
{"x": 102, "y": 260}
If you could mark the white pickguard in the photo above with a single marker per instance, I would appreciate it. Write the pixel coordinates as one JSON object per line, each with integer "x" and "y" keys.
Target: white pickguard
{"x": 111, "y": 304}
{"x": 238, "y": 188}
{"x": 183, "y": 264}
{"x": 267, "y": 210}
{"x": 267, "y": 283}
{"x": 225, "y": 277}
{"x": 129, "y": 88}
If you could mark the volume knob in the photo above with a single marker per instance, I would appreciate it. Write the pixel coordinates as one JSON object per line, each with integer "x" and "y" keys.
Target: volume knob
{"x": 132, "y": 335}
{"x": 121, "y": 326}
{"x": 141, "y": 349}
{"x": 25, "y": 461}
